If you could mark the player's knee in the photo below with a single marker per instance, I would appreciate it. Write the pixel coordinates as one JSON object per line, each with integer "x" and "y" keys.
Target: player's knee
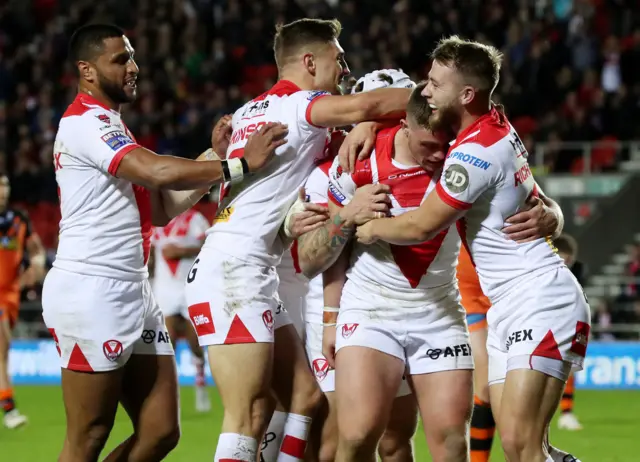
{"x": 89, "y": 443}
{"x": 520, "y": 443}
{"x": 162, "y": 438}
{"x": 358, "y": 442}
{"x": 395, "y": 446}
{"x": 307, "y": 400}
{"x": 451, "y": 443}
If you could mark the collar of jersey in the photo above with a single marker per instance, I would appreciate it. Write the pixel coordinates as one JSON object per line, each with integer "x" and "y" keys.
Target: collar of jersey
{"x": 281, "y": 88}
{"x": 492, "y": 116}
{"x": 87, "y": 99}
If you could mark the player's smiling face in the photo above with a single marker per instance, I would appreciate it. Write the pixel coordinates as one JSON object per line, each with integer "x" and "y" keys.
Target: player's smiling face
{"x": 330, "y": 68}
{"x": 442, "y": 92}
{"x": 117, "y": 70}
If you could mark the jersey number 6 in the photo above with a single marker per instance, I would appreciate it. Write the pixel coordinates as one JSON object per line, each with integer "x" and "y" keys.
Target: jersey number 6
{"x": 192, "y": 272}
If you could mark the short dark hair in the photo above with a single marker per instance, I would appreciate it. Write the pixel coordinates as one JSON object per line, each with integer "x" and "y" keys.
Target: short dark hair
{"x": 418, "y": 109}
{"x": 566, "y": 244}
{"x": 87, "y": 42}
{"x": 478, "y": 63}
{"x": 291, "y": 37}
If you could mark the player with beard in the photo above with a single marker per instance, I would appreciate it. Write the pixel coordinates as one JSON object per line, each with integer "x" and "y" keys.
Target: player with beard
{"x": 97, "y": 301}
{"x": 538, "y": 324}
{"x": 232, "y": 295}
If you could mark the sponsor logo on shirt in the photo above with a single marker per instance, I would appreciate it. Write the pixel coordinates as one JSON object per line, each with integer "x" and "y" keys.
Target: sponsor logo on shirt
{"x": 104, "y": 118}
{"x": 223, "y": 215}
{"x": 471, "y": 160}
{"x": 314, "y": 94}
{"x": 116, "y": 140}
{"x": 337, "y": 195}
{"x": 456, "y": 178}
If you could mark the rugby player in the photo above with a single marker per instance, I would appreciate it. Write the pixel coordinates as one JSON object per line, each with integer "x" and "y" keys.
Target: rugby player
{"x": 232, "y": 288}
{"x": 304, "y": 301}
{"x": 399, "y": 308}
{"x": 18, "y": 244}
{"x": 538, "y": 325}
{"x": 97, "y": 302}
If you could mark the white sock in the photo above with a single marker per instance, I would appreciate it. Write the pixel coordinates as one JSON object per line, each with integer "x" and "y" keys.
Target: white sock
{"x": 549, "y": 459}
{"x": 236, "y": 448}
{"x": 273, "y": 437}
{"x": 294, "y": 443}
{"x": 200, "y": 380}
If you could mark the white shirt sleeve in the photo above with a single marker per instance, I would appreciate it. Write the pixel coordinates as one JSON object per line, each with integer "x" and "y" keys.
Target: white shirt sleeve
{"x": 342, "y": 187}
{"x": 304, "y": 101}
{"x": 316, "y": 186}
{"x": 467, "y": 173}
{"x": 101, "y": 144}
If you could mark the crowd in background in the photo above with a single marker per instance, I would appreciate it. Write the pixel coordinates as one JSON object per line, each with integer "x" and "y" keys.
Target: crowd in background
{"x": 570, "y": 70}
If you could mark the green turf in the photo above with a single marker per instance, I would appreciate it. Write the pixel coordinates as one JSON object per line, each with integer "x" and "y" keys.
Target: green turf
{"x": 611, "y": 420}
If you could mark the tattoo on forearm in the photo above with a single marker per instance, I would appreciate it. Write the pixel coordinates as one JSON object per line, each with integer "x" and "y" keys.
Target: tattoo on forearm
{"x": 321, "y": 247}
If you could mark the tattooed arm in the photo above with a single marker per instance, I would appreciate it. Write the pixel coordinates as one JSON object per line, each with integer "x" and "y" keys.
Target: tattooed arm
{"x": 319, "y": 249}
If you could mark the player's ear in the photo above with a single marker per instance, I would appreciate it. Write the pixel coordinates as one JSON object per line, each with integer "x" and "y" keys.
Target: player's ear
{"x": 467, "y": 94}
{"x": 86, "y": 71}
{"x": 310, "y": 63}
{"x": 404, "y": 125}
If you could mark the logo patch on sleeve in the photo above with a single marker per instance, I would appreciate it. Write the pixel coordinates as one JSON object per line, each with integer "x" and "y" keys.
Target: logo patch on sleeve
{"x": 314, "y": 94}
{"x": 456, "y": 178}
{"x": 116, "y": 140}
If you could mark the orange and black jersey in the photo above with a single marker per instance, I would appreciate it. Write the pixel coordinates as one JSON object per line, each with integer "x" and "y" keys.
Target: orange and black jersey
{"x": 15, "y": 230}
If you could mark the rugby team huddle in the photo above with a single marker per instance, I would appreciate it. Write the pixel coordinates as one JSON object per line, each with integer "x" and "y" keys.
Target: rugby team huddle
{"x": 352, "y": 232}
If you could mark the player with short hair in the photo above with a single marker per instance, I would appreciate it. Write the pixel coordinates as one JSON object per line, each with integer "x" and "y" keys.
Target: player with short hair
{"x": 539, "y": 320}
{"x": 399, "y": 310}
{"x": 19, "y": 244}
{"x": 234, "y": 283}
{"x": 97, "y": 301}
{"x": 304, "y": 301}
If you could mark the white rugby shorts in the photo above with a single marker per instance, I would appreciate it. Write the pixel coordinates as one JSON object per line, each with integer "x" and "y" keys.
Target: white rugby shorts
{"x": 433, "y": 337}
{"x": 231, "y": 301}
{"x": 542, "y": 324}
{"x": 172, "y": 302}
{"x": 326, "y": 376}
{"x": 98, "y": 322}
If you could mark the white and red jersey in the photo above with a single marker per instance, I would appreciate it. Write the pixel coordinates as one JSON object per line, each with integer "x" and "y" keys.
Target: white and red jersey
{"x": 486, "y": 173}
{"x": 251, "y": 213}
{"x": 105, "y": 228}
{"x": 291, "y": 277}
{"x": 404, "y": 273}
{"x": 186, "y": 230}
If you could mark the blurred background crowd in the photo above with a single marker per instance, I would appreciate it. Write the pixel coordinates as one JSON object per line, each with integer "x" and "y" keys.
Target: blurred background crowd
{"x": 571, "y": 73}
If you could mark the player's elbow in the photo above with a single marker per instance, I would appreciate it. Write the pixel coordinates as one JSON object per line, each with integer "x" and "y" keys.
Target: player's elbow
{"x": 308, "y": 267}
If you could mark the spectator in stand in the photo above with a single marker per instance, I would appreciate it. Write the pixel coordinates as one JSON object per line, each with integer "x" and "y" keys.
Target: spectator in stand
{"x": 633, "y": 271}
{"x": 570, "y": 73}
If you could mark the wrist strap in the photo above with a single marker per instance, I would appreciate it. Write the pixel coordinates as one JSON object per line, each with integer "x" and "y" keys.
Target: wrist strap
{"x": 329, "y": 324}
{"x": 245, "y": 165}
{"x": 331, "y": 309}
{"x": 232, "y": 170}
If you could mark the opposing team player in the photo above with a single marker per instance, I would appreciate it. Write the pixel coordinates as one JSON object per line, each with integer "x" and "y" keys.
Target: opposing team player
{"x": 18, "y": 243}
{"x": 538, "y": 324}
{"x": 175, "y": 248}
{"x": 399, "y": 308}
{"x": 234, "y": 283}
{"x": 97, "y": 302}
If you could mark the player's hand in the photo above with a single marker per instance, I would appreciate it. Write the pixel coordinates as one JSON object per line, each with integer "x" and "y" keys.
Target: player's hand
{"x": 221, "y": 136}
{"x": 313, "y": 217}
{"x": 365, "y": 234}
{"x": 369, "y": 202}
{"x": 263, "y": 143}
{"x": 537, "y": 221}
{"x": 329, "y": 345}
{"x": 357, "y": 145}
